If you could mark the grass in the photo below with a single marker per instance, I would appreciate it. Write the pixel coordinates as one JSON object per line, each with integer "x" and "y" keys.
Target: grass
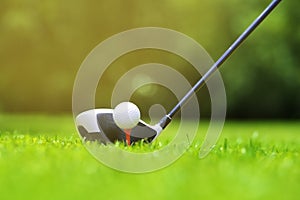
{"x": 41, "y": 157}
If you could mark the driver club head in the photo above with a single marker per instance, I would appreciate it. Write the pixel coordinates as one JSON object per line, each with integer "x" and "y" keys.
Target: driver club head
{"x": 98, "y": 125}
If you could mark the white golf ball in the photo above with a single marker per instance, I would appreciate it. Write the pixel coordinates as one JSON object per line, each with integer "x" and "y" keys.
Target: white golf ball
{"x": 126, "y": 115}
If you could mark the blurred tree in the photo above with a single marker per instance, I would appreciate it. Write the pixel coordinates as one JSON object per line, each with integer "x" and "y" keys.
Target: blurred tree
{"x": 43, "y": 43}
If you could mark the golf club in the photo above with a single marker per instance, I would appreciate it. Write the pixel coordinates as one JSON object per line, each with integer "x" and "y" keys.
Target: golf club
{"x": 98, "y": 124}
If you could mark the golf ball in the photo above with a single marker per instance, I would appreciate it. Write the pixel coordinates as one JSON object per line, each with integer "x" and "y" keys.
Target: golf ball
{"x": 126, "y": 115}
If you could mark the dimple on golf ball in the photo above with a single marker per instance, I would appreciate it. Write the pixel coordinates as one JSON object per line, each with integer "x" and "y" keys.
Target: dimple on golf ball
{"x": 126, "y": 115}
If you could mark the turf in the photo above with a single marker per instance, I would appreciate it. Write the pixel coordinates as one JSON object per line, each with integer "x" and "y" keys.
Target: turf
{"x": 41, "y": 157}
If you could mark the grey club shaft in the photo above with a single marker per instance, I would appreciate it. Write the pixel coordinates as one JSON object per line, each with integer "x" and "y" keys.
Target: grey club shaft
{"x": 166, "y": 119}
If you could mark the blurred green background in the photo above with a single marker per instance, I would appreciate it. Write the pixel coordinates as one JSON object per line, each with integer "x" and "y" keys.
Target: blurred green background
{"x": 44, "y": 42}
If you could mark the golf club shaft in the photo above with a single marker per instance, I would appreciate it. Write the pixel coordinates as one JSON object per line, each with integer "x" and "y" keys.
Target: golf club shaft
{"x": 165, "y": 120}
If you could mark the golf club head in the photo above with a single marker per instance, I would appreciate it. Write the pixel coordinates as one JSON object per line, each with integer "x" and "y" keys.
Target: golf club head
{"x": 98, "y": 125}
